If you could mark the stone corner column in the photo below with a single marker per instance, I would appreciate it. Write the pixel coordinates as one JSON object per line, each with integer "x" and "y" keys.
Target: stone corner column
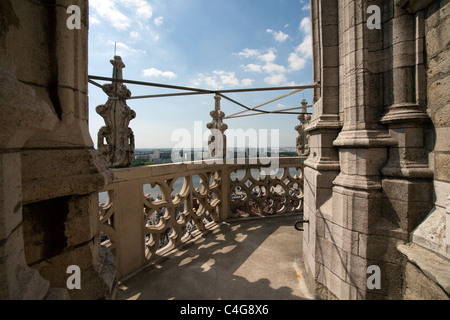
{"x": 322, "y": 165}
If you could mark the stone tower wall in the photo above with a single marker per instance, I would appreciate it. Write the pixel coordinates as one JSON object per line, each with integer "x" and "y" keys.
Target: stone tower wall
{"x": 50, "y": 175}
{"x": 377, "y": 168}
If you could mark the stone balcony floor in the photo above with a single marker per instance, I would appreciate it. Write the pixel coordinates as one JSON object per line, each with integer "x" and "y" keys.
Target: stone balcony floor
{"x": 251, "y": 259}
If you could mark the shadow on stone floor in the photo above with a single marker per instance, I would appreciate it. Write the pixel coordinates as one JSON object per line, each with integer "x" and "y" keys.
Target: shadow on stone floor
{"x": 256, "y": 259}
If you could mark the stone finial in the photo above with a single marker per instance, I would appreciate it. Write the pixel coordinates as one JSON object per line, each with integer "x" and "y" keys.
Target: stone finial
{"x": 116, "y": 139}
{"x": 217, "y": 140}
{"x": 302, "y": 141}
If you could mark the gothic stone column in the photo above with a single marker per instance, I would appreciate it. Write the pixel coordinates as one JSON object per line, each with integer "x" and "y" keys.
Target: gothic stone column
{"x": 322, "y": 165}
{"x": 407, "y": 181}
{"x": 359, "y": 235}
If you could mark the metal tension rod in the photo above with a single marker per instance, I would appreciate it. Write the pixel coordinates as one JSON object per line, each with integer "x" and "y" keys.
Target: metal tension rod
{"x": 167, "y": 86}
{"x": 265, "y": 103}
{"x": 311, "y": 86}
{"x": 150, "y": 84}
{"x": 101, "y": 87}
{"x": 238, "y": 103}
{"x": 196, "y": 91}
{"x": 282, "y": 111}
{"x": 168, "y": 95}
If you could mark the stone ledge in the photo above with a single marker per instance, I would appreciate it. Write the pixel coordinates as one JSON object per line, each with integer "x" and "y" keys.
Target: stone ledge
{"x": 432, "y": 265}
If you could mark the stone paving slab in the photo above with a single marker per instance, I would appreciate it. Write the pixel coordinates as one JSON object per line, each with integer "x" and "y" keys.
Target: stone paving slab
{"x": 256, "y": 259}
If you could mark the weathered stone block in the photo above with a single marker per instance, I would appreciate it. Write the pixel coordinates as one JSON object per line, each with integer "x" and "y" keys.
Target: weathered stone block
{"x": 17, "y": 280}
{"x": 438, "y": 66}
{"x": 436, "y": 13}
{"x": 442, "y": 116}
{"x": 408, "y": 214}
{"x": 330, "y": 255}
{"x": 442, "y": 166}
{"x": 364, "y": 212}
{"x": 407, "y": 190}
{"x": 430, "y": 233}
{"x": 345, "y": 239}
{"x": 357, "y": 271}
{"x": 437, "y": 38}
{"x": 432, "y": 265}
{"x": 337, "y": 286}
{"x": 381, "y": 248}
{"x": 340, "y": 207}
{"x": 441, "y": 190}
{"x": 420, "y": 287}
{"x": 438, "y": 93}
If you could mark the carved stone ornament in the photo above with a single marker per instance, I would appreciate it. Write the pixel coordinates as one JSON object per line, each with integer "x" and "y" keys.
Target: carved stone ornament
{"x": 217, "y": 140}
{"x": 116, "y": 139}
{"x": 302, "y": 141}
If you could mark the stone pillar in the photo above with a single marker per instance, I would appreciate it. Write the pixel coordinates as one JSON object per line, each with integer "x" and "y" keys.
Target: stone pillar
{"x": 50, "y": 168}
{"x": 322, "y": 165}
{"x": 217, "y": 142}
{"x": 362, "y": 231}
{"x": 116, "y": 139}
{"x": 407, "y": 178}
{"x": 217, "y": 146}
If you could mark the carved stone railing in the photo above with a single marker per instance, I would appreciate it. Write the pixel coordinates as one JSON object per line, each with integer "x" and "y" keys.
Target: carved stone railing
{"x": 254, "y": 192}
{"x": 147, "y": 211}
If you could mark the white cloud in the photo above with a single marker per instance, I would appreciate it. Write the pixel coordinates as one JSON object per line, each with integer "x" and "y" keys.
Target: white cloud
{"x": 275, "y": 72}
{"x": 155, "y": 73}
{"x": 268, "y": 57}
{"x": 111, "y": 11}
{"x": 253, "y": 68}
{"x": 306, "y": 5}
{"x": 273, "y": 68}
{"x": 296, "y": 62}
{"x": 305, "y": 25}
{"x": 135, "y": 35}
{"x": 305, "y": 47}
{"x": 247, "y": 53}
{"x": 159, "y": 21}
{"x": 227, "y": 78}
{"x": 142, "y": 8}
{"x": 276, "y": 79}
{"x": 297, "y": 59}
{"x": 220, "y": 79}
{"x": 209, "y": 81}
{"x": 279, "y": 36}
{"x": 247, "y": 82}
{"x": 107, "y": 10}
{"x": 93, "y": 19}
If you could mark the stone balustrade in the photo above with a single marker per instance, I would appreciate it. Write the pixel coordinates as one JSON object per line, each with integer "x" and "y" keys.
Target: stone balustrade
{"x": 147, "y": 211}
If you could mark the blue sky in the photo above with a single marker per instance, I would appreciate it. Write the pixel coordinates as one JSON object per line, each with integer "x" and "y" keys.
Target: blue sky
{"x": 207, "y": 44}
